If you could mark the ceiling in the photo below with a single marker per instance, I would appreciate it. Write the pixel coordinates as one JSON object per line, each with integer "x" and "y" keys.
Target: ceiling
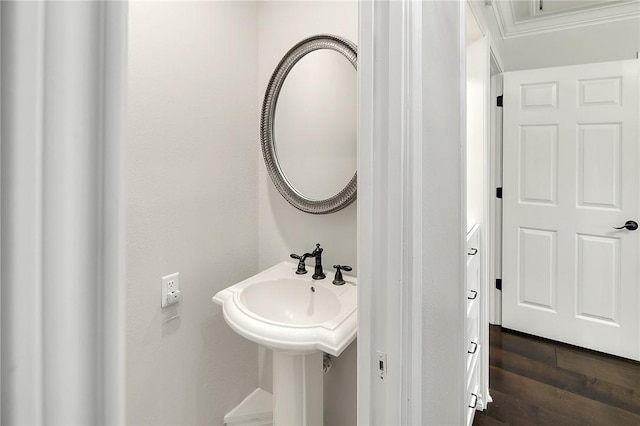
{"x": 518, "y": 18}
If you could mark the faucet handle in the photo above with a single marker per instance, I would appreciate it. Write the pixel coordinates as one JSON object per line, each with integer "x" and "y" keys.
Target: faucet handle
{"x": 302, "y": 268}
{"x": 338, "y": 280}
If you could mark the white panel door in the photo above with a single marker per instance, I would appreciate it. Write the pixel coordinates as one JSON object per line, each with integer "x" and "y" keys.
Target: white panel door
{"x": 571, "y": 161}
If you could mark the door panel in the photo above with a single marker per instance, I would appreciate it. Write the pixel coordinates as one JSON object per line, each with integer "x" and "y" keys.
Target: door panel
{"x": 570, "y": 167}
{"x": 537, "y": 277}
{"x": 538, "y": 164}
{"x": 599, "y": 164}
{"x": 598, "y": 281}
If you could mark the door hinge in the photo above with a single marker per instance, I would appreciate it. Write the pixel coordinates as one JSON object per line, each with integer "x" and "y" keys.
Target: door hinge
{"x": 499, "y": 192}
{"x": 499, "y": 101}
{"x": 499, "y": 283}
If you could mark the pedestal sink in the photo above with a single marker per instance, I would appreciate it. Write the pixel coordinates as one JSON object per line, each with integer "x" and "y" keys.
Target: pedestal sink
{"x": 299, "y": 319}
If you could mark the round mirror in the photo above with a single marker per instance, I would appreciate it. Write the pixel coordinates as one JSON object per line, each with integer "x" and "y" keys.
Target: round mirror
{"x": 315, "y": 124}
{"x": 308, "y": 125}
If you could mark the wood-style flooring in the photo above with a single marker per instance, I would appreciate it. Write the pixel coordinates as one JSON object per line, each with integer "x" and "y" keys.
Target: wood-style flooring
{"x": 535, "y": 381}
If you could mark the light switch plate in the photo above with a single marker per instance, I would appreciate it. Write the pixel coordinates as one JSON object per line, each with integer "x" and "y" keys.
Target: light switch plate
{"x": 382, "y": 364}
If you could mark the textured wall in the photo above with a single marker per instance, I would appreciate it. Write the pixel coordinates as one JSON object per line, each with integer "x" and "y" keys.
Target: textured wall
{"x": 192, "y": 205}
{"x": 283, "y": 229}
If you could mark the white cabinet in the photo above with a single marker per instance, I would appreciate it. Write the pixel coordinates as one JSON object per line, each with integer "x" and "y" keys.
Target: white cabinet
{"x": 474, "y": 345}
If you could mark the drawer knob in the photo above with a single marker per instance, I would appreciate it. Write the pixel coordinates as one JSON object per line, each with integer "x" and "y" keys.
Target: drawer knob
{"x": 472, "y": 251}
{"x": 475, "y": 348}
{"x": 474, "y": 294}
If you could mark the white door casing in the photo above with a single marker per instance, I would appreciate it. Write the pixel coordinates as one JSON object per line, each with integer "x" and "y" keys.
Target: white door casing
{"x": 571, "y": 161}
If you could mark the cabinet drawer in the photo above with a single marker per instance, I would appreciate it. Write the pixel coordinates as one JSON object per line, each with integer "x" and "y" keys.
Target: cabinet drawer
{"x": 473, "y": 245}
{"x": 471, "y": 411}
{"x": 472, "y": 397}
{"x": 472, "y": 318}
{"x": 473, "y": 279}
{"x": 473, "y": 300}
{"x": 472, "y": 335}
{"x": 472, "y": 352}
{"x": 473, "y": 276}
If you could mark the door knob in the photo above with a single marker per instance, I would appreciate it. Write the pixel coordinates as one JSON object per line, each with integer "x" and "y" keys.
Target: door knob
{"x": 631, "y": 225}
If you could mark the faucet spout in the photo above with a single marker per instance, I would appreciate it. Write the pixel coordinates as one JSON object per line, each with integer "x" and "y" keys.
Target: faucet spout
{"x": 318, "y": 273}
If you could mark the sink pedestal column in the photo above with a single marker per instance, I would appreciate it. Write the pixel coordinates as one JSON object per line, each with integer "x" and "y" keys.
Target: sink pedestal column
{"x": 297, "y": 388}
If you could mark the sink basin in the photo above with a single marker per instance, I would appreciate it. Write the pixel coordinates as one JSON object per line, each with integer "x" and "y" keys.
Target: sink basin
{"x": 285, "y": 311}
{"x": 290, "y": 301}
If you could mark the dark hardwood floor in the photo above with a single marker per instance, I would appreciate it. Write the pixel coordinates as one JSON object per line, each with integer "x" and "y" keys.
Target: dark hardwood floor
{"x": 535, "y": 381}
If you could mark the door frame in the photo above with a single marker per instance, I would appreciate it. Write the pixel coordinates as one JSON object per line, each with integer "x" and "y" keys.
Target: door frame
{"x": 495, "y": 181}
{"x": 402, "y": 309}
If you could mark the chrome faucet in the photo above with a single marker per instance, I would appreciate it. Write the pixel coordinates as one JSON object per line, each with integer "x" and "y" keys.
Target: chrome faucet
{"x": 318, "y": 273}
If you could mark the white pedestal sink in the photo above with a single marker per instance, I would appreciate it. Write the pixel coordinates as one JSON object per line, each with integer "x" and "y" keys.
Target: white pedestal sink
{"x": 299, "y": 319}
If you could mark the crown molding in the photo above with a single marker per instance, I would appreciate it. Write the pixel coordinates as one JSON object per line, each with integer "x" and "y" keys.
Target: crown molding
{"x": 511, "y": 27}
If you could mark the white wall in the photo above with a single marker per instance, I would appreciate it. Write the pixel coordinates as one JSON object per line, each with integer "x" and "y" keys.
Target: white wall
{"x": 477, "y": 71}
{"x": 489, "y": 19}
{"x": 443, "y": 252}
{"x": 282, "y": 228}
{"x": 485, "y": 24}
{"x": 595, "y": 43}
{"x": 192, "y": 205}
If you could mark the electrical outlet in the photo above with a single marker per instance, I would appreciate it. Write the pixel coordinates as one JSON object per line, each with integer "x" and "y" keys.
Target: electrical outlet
{"x": 170, "y": 289}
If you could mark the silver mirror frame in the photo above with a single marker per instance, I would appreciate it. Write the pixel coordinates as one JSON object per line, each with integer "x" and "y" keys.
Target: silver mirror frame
{"x": 267, "y": 129}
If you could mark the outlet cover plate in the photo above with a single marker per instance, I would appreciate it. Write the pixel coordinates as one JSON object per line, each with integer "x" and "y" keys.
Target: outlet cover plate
{"x": 170, "y": 283}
